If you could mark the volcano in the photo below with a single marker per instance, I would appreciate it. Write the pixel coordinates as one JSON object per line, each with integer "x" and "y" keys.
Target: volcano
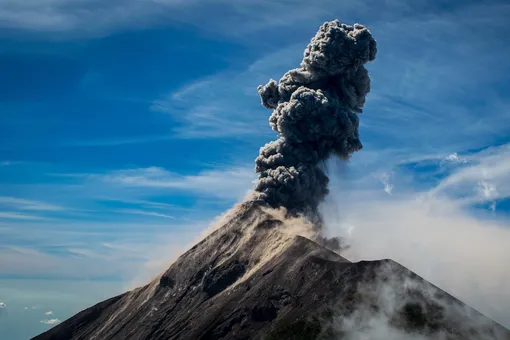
{"x": 260, "y": 276}
{"x": 267, "y": 271}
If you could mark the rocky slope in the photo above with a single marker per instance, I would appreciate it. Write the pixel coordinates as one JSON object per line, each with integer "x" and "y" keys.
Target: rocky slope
{"x": 258, "y": 276}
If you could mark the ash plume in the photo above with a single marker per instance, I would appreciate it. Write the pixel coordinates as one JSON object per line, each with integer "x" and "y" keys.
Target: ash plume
{"x": 315, "y": 111}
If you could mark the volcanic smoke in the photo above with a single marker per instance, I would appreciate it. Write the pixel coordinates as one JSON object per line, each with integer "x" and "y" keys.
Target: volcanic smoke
{"x": 315, "y": 111}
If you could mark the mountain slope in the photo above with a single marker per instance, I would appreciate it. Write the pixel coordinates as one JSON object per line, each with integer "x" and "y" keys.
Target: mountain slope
{"x": 255, "y": 278}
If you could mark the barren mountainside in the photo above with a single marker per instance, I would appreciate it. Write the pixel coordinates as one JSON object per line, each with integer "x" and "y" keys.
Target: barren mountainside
{"x": 255, "y": 277}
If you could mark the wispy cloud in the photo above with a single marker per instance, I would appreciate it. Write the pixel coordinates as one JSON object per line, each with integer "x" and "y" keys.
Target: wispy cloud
{"x": 39, "y": 249}
{"x": 22, "y": 250}
{"x": 93, "y": 18}
{"x": 118, "y": 141}
{"x": 453, "y": 158}
{"x": 33, "y": 263}
{"x": 204, "y": 121}
{"x": 125, "y": 195}
{"x": 48, "y": 313}
{"x": 59, "y": 16}
{"x": 418, "y": 94}
{"x": 151, "y": 204}
{"x": 145, "y": 213}
{"x": 229, "y": 183}
{"x": 227, "y": 104}
{"x": 385, "y": 180}
{"x": 8, "y": 163}
{"x": 19, "y": 216}
{"x": 23, "y": 204}
{"x": 429, "y": 102}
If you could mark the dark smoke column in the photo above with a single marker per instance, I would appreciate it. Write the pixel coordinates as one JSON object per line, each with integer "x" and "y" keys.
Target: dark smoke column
{"x": 315, "y": 111}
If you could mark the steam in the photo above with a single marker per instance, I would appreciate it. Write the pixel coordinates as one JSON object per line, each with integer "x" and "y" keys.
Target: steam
{"x": 315, "y": 111}
{"x": 397, "y": 305}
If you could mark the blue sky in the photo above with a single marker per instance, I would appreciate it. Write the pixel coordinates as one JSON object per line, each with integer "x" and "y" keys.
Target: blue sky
{"x": 127, "y": 126}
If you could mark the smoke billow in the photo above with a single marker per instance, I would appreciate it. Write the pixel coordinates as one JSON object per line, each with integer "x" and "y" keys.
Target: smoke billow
{"x": 315, "y": 111}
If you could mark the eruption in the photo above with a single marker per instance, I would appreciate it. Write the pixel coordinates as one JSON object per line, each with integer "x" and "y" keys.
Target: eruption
{"x": 315, "y": 111}
{"x": 257, "y": 274}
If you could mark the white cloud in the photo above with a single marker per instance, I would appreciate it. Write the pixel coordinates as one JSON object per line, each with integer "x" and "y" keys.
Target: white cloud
{"x": 48, "y": 313}
{"x": 8, "y": 163}
{"x": 55, "y": 16}
{"x": 485, "y": 179}
{"x": 144, "y": 213}
{"x": 489, "y": 192}
{"x": 149, "y": 204}
{"x": 92, "y": 17}
{"x": 19, "y": 216}
{"x": 417, "y": 94}
{"x": 227, "y": 104}
{"x": 465, "y": 256}
{"x": 22, "y": 250}
{"x": 51, "y": 321}
{"x": 126, "y": 194}
{"x": 228, "y": 183}
{"x": 436, "y": 233}
{"x": 219, "y": 116}
{"x": 206, "y": 121}
{"x": 421, "y": 104}
{"x": 33, "y": 263}
{"x": 120, "y": 247}
{"x": 454, "y": 158}
{"x": 385, "y": 180}
{"x": 3, "y": 308}
{"x": 24, "y": 204}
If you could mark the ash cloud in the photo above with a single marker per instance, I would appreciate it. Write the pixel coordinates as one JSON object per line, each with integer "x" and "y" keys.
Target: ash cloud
{"x": 315, "y": 110}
